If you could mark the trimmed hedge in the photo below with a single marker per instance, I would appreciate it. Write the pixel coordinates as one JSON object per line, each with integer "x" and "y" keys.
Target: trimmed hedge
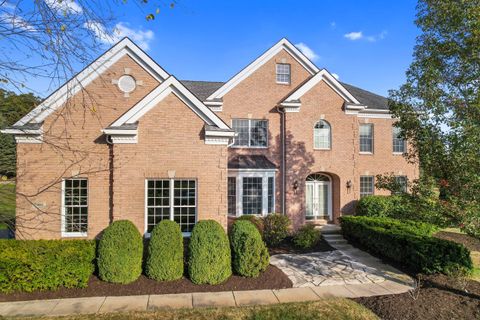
{"x": 414, "y": 227}
{"x": 250, "y": 255}
{"x": 165, "y": 252}
{"x": 307, "y": 236}
{"x": 120, "y": 253}
{"x": 28, "y": 265}
{"x": 417, "y": 251}
{"x": 275, "y": 229}
{"x": 257, "y": 221}
{"x": 209, "y": 260}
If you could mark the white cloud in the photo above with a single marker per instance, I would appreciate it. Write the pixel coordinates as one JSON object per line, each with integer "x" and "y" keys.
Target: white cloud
{"x": 336, "y": 76}
{"x": 370, "y": 38}
{"x": 17, "y": 22}
{"x": 307, "y": 51}
{"x": 68, "y": 6}
{"x": 354, "y": 35}
{"x": 141, "y": 37}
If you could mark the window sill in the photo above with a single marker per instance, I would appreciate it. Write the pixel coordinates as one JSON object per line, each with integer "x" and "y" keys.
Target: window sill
{"x": 398, "y": 153}
{"x": 74, "y": 234}
{"x": 284, "y": 83}
{"x": 367, "y": 153}
{"x": 321, "y": 149}
{"x": 247, "y": 147}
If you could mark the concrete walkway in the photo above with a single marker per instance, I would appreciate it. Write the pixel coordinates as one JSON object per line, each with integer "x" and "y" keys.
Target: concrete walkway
{"x": 94, "y": 305}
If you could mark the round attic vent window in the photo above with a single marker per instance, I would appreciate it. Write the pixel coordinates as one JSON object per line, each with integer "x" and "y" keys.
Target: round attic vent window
{"x": 126, "y": 83}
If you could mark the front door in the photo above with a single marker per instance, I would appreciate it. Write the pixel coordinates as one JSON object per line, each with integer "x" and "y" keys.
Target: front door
{"x": 318, "y": 198}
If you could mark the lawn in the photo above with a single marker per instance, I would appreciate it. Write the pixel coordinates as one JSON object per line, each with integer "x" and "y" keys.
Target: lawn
{"x": 334, "y": 308}
{"x": 7, "y": 203}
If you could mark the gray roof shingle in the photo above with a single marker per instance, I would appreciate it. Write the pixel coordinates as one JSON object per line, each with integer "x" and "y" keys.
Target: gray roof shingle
{"x": 250, "y": 162}
{"x": 202, "y": 89}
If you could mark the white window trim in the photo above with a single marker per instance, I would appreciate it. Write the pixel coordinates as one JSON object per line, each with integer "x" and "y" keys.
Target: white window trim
{"x": 171, "y": 186}
{"x": 254, "y": 173}
{"x": 249, "y": 128}
{"x": 62, "y": 230}
{"x": 373, "y": 139}
{"x": 289, "y": 74}
{"x": 329, "y": 135}
{"x": 360, "y": 186}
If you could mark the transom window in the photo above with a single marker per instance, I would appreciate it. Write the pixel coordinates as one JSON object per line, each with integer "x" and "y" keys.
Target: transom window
{"x": 75, "y": 207}
{"x": 283, "y": 73}
{"x": 322, "y": 135}
{"x": 251, "y": 193}
{"x": 250, "y": 133}
{"x": 366, "y": 186}
{"x": 398, "y": 142}
{"x": 172, "y": 199}
{"x": 366, "y": 138}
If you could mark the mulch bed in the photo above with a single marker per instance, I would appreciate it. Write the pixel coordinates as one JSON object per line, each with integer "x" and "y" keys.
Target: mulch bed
{"x": 439, "y": 297}
{"x": 470, "y": 243}
{"x": 272, "y": 278}
{"x": 287, "y": 246}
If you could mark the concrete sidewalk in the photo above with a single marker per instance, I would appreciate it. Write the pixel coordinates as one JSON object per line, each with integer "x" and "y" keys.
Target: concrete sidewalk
{"x": 93, "y": 305}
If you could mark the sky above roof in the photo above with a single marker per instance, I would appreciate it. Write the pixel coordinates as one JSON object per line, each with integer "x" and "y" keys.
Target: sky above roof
{"x": 368, "y": 44}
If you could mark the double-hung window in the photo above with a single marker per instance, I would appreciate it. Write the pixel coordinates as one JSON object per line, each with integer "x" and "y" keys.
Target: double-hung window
{"x": 366, "y": 138}
{"x": 366, "y": 186}
{"x": 171, "y": 199}
{"x": 283, "y": 73}
{"x": 75, "y": 207}
{"x": 250, "y": 133}
{"x": 251, "y": 193}
{"x": 322, "y": 135}
{"x": 398, "y": 143}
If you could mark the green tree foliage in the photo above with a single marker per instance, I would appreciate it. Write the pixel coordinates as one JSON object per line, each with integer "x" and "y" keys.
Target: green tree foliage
{"x": 165, "y": 252}
{"x": 12, "y": 108}
{"x": 120, "y": 253}
{"x": 439, "y": 105}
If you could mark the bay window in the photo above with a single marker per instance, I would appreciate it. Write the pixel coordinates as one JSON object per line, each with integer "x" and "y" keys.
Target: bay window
{"x": 251, "y": 192}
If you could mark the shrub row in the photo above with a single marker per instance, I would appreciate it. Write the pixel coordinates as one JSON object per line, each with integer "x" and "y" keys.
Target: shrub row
{"x": 28, "y": 265}
{"x": 417, "y": 251}
{"x": 407, "y": 207}
{"x": 409, "y": 226}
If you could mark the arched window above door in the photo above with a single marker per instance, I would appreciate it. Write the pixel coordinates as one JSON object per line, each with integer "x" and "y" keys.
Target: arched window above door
{"x": 318, "y": 177}
{"x": 322, "y": 135}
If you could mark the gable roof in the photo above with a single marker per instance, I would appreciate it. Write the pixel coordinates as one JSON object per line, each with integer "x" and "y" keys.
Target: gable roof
{"x": 283, "y": 44}
{"x": 330, "y": 80}
{"x": 90, "y": 73}
{"x": 170, "y": 85}
{"x": 370, "y": 99}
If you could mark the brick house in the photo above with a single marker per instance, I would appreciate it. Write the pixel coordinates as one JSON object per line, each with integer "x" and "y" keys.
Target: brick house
{"x": 126, "y": 140}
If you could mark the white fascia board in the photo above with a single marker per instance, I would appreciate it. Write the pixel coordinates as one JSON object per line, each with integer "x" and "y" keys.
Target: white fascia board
{"x": 89, "y": 74}
{"x": 22, "y": 132}
{"x": 283, "y": 44}
{"x": 170, "y": 85}
{"x": 330, "y": 80}
{"x": 119, "y": 132}
{"x": 214, "y": 133}
{"x": 213, "y": 103}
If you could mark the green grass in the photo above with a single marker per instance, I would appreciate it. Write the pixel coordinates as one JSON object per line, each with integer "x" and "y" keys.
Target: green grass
{"x": 334, "y": 308}
{"x": 7, "y": 203}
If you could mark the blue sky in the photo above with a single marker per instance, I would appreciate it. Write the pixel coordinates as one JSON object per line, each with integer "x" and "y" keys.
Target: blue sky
{"x": 367, "y": 43}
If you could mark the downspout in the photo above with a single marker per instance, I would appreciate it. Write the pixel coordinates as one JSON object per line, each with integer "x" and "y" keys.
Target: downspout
{"x": 283, "y": 155}
{"x": 108, "y": 139}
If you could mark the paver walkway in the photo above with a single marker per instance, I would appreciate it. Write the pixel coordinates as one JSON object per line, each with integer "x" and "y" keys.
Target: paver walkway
{"x": 93, "y": 305}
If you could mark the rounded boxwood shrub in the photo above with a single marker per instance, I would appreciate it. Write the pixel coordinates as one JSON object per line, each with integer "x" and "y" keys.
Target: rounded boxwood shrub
{"x": 120, "y": 252}
{"x": 258, "y": 222}
{"x": 250, "y": 255}
{"x": 307, "y": 236}
{"x": 275, "y": 229}
{"x": 209, "y": 260}
{"x": 165, "y": 252}
{"x": 374, "y": 206}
